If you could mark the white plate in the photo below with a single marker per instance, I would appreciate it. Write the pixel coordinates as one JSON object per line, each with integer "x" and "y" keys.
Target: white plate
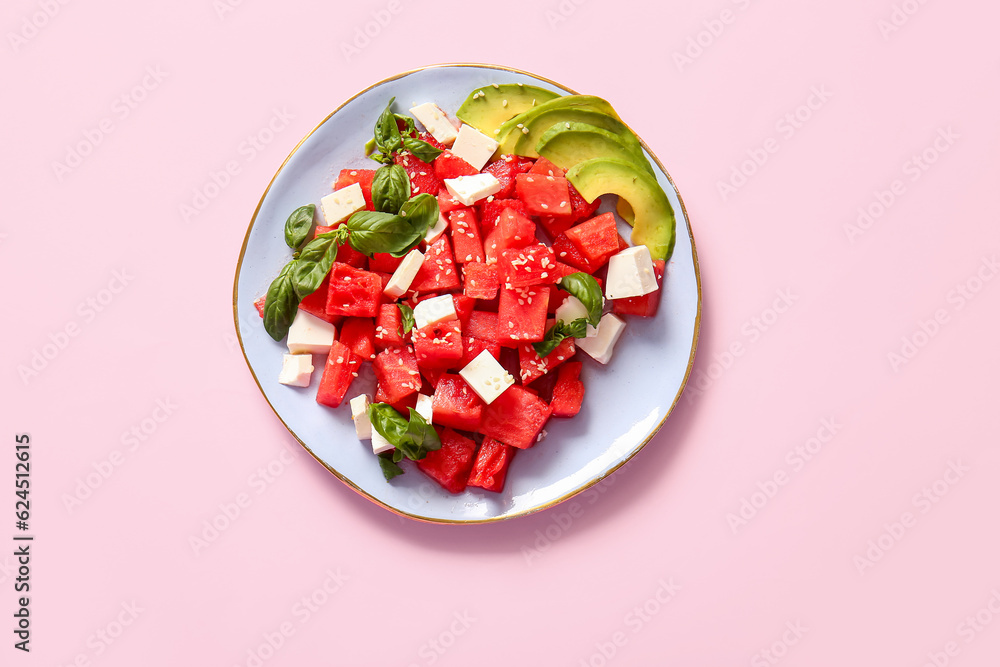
{"x": 626, "y": 402}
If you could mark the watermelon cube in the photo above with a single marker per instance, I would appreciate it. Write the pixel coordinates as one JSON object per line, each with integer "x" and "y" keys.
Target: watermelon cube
{"x": 533, "y": 366}
{"x": 522, "y": 314}
{"x": 567, "y": 395}
{"x": 532, "y": 265}
{"x": 438, "y": 345}
{"x": 516, "y": 417}
{"x": 482, "y": 281}
{"x": 506, "y": 168}
{"x": 489, "y": 470}
{"x": 397, "y": 373}
{"x": 543, "y": 195}
{"x": 340, "y": 370}
{"x": 353, "y": 292}
{"x": 455, "y": 404}
{"x": 645, "y": 305}
{"x": 450, "y": 465}
{"x": 449, "y": 165}
{"x": 596, "y": 239}
{"x": 358, "y": 334}
{"x": 465, "y": 236}
{"x": 437, "y": 273}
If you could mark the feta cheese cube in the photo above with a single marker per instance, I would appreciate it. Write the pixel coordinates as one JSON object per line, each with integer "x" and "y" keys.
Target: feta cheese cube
{"x": 435, "y": 232}
{"x": 436, "y": 122}
{"x": 296, "y": 370}
{"x": 425, "y": 407}
{"x": 434, "y": 310}
{"x": 630, "y": 273}
{"x": 474, "y": 147}
{"x": 470, "y": 189}
{"x": 359, "y": 413}
{"x": 404, "y": 274}
{"x": 601, "y": 346}
{"x": 310, "y": 335}
{"x": 340, "y": 204}
{"x": 380, "y": 444}
{"x": 486, "y": 377}
{"x": 573, "y": 309}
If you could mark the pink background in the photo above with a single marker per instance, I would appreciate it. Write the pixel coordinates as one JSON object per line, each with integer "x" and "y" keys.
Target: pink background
{"x": 843, "y": 562}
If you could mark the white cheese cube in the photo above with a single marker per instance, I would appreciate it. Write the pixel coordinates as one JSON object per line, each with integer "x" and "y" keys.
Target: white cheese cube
{"x": 630, "y": 273}
{"x": 434, "y": 310}
{"x": 435, "y": 232}
{"x": 359, "y": 413}
{"x": 474, "y": 147}
{"x": 573, "y": 309}
{"x": 296, "y": 370}
{"x": 425, "y": 407}
{"x": 470, "y": 189}
{"x": 486, "y": 377}
{"x": 404, "y": 274}
{"x": 379, "y": 443}
{"x": 310, "y": 335}
{"x": 436, "y": 122}
{"x": 601, "y": 346}
{"x": 340, "y": 204}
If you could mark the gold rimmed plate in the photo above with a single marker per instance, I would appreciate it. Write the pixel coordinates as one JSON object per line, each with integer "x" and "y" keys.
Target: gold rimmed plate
{"x": 626, "y": 401}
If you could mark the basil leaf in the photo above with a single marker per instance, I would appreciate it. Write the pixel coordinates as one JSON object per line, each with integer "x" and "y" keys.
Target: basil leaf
{"x": 369, "y": 146}
{"x": 422, "y": 212}
{"x": 414, "y": 438}
{"x": 299, "y": 225}
{"x": 408, "y": 321}
{"x": 387, "y": 136}
{"x": 314, "y": 263}
{"x": 553, "y": 337}
{"x": 281, "y": 304}
{"x": 387, "y": 421}
{"x": 389, "y": 467}
{"x": 585, "y": 288}
{"x": 390, "y": 188}
{"x": 421, "y": 436}
{"x": 577, "y": 328}
{"x": 423, "y": 150}
{"x": 374, "y": 231}
{"x": 408, "y": 123}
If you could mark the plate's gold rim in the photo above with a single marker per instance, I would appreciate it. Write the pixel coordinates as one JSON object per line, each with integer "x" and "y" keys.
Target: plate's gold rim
{"x": 350, "y": 484}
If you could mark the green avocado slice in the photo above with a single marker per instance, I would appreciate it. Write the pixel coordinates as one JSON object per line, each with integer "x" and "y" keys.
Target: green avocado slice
{"x": 654, "y": 216}
{"x": 567, "y": 144}
{"x": 512, "y": 132}
{"x": 486, "y": 108}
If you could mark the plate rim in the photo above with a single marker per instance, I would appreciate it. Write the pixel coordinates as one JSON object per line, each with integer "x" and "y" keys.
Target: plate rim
{"x": 347, "y": 481}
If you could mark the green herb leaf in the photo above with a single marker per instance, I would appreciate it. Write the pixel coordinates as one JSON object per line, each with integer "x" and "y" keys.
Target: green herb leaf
{"x": 370, "y": 146}
{"x": 423, "y": 150}
{"x": 408, "y": 321}
{"x": 422, "y": 212}
{"x": 585, "y": 288}
{"x": 314, "y": 263}
{"x": 387, "y": 136}
{"x": 408, "y": 123}
{"x": 390, "y": 188}
{"x": 374, "y": 231}
{"x": 558, "y": 333}
{"x": 281, "y": 304}
{"x": 389, "y": 467}
{"x": 299, "y": 225}
{"x": 414, "y": 438}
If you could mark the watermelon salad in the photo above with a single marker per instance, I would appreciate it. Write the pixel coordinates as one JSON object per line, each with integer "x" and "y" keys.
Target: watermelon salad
{"x": 479, "y": 285}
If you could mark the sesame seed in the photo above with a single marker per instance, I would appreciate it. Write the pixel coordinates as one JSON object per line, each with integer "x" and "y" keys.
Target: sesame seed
{"x": 524, "y": 130}
{"x": 505, "y": 102}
